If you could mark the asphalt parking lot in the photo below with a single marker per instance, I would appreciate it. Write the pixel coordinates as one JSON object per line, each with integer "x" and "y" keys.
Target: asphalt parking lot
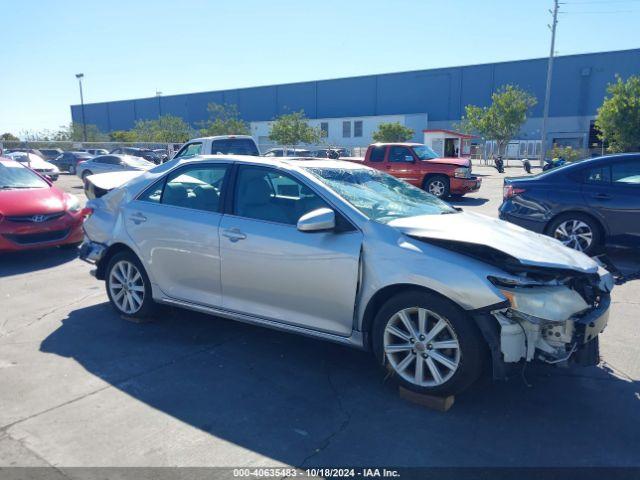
{"x": 79, "y": 386}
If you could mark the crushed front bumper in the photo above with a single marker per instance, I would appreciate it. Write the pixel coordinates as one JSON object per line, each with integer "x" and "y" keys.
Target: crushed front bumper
{"x": 513, "y": 339}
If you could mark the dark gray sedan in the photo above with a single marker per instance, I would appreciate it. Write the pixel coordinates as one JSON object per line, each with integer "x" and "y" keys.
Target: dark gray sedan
{"x": 585, "y": 205}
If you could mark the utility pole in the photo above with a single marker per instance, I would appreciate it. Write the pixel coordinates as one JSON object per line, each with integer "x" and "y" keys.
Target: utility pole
{"x": 547, "y": 95}
{"x": 84, "y": 123}
{"x": 158, "y": 95}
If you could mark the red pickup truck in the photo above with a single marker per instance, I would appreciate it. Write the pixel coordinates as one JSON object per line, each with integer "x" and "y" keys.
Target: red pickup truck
{"x": 420, "y": 166}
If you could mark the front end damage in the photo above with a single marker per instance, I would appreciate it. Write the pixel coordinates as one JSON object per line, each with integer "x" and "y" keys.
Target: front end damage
{"x": 550, "y": 314}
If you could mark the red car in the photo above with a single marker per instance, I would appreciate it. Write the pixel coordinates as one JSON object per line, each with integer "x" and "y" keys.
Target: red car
{"x": 34, "y": 213}
{"x": 420, "y": 166}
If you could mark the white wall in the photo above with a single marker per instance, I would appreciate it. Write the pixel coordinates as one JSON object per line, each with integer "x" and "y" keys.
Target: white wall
{"x": 260, "y": 130}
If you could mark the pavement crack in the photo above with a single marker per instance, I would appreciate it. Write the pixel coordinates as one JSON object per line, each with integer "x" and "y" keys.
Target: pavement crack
{"x": 121, "y": 382}
{"x": 46, "y": 314}
{"x": 342, "y": 427}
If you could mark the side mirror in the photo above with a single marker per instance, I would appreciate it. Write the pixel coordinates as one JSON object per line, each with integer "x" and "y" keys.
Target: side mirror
{"x": 317, "y": 220}
{"x": 408, "y": 158}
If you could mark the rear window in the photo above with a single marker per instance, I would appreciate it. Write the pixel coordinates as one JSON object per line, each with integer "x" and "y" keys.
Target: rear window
{"x": 234, "y": 146}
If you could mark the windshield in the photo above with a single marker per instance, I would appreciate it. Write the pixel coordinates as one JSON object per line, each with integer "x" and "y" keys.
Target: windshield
{"x": 424, "y": 153}
{"x": 16, "y": 176}
{"x": 379, "y": 196}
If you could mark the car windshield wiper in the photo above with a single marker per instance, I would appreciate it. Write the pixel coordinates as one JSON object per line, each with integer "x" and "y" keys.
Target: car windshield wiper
{"x": 9, "y": 187}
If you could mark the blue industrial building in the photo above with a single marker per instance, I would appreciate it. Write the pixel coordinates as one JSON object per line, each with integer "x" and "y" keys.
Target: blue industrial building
{"x": 431, "y": 99}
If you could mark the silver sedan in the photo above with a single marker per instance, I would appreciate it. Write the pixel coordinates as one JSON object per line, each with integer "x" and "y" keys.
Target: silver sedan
{"x": 111, "y": 163}
{"x": 345, "y": 253}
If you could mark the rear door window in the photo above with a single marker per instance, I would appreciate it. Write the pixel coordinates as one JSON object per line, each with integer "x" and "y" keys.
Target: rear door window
{"x": 234, "y": 146}
{"x": 189, "y": 150}
{"x": 600, "y": 174}
{"x": 377, "y": 154}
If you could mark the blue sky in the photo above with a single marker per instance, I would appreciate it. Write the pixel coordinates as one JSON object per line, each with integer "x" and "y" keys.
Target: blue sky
{"x": 128, "y": 49}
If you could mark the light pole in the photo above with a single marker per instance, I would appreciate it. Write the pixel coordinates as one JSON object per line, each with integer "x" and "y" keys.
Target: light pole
{"x": 547, "y": 94}
{"x": 84, "y": 123}
{"x": 158, "y": 95}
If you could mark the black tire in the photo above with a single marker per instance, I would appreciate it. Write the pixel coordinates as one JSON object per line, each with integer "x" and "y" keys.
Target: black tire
{"x": 437, "y": 183}
{"x": 85, "y": 174}
{"x": 71, "y": 169}
{"x": 473, "y": 349}
{"x": 592, "y": 225}
{"x": 148, "y": 307}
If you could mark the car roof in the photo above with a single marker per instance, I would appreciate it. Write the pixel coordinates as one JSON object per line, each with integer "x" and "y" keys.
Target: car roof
{"x": 280, "y": 162}
{"x": 9, "y": 162}
{"x": 220, "y": 137}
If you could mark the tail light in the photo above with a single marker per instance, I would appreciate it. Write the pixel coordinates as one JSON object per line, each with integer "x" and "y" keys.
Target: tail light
{"x": 509, "y": 191}
{"x": 86, "y": 212}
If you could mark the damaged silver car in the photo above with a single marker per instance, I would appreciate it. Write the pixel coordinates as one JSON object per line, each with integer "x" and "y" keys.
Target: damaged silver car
{"x": 345, "y": 253}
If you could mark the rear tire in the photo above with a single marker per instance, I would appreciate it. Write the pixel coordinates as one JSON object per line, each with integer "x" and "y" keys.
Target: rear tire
{"x": 72, "y": 169}
{"x": 85, "y": 174}
{"x": 128, "y": 286}
{"x": 443, "y": 353}
{"x": 437, "y": 185}
{"x": 577, "y": 231}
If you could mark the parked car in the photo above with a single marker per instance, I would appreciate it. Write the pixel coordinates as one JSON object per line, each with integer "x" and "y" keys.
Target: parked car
{"x": 162, "y": 153}
{"x": 287, "y": 152}
{"x": 342, "y": 252}
{"x": 97, "y": 151}
{"x": 36, "y": 163}
{"x": 145, "y": 153}
{"x": 418, "y": 165}
{"x": 112, "y": 163}
{"x": 585, "y": 205}
{"x": 219, "y": 145}
{"x": 34, "y": 213}
{"x": 330, "y": 153}
{"x": 51, "y": 153}
{"x": 69, "y": 161}
{"x": 34, "y": 151}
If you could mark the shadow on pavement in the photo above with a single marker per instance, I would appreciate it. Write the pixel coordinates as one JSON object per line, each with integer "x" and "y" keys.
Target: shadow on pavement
{"x": 306, "y": 402}
{"x": 15, "y": 263}
{"x": 467, "y": 201}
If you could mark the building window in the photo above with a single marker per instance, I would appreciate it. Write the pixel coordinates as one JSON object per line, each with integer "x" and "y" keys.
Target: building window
{"x": 346, "y": 129}
{"x": 357, "y": 128}
{"x": 324, "y": 129}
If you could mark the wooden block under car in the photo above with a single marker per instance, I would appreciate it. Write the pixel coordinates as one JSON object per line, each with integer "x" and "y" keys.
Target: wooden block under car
{"x": 441, "y": 404}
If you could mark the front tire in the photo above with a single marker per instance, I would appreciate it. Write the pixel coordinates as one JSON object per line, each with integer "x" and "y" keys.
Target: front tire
{"x": 85, "y": 174}
{"x": 428, "y": 344}
{"x": 438, "y": 186}
{"x": 72, "y": 169}
{"x": 128, "y": 286}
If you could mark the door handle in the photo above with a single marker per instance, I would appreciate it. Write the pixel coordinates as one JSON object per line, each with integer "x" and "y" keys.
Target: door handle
{"x": 138, "y": 218}
{"x": 234, "y": 234}
{"x": 601, "y": 196}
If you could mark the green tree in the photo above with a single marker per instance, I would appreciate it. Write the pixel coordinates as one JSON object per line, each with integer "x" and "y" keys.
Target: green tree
{"x": 125, "y": 136}
{"x": 392, "y": 132}
{"x": 619, "y": 116}
{"x": 224, "y": 119}
{"x": 502, "y": 120}
{"x": 292, "y": 129}
{"x": 9, "y": 137}
{"x": 568, "y": 153}
{"x": 74, "y": 132}
{"x": 164, "y": 129}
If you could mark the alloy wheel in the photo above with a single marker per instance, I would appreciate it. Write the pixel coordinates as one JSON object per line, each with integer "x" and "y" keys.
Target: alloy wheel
{"x": 436, "y": 187}
{"x": 574, "y": 234}
{"x": 126, "y": 287}
{"x": 421, "y": 347}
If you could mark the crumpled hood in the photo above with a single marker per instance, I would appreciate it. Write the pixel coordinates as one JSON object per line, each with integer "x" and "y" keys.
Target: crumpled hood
{"x": 529, "y": 248}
